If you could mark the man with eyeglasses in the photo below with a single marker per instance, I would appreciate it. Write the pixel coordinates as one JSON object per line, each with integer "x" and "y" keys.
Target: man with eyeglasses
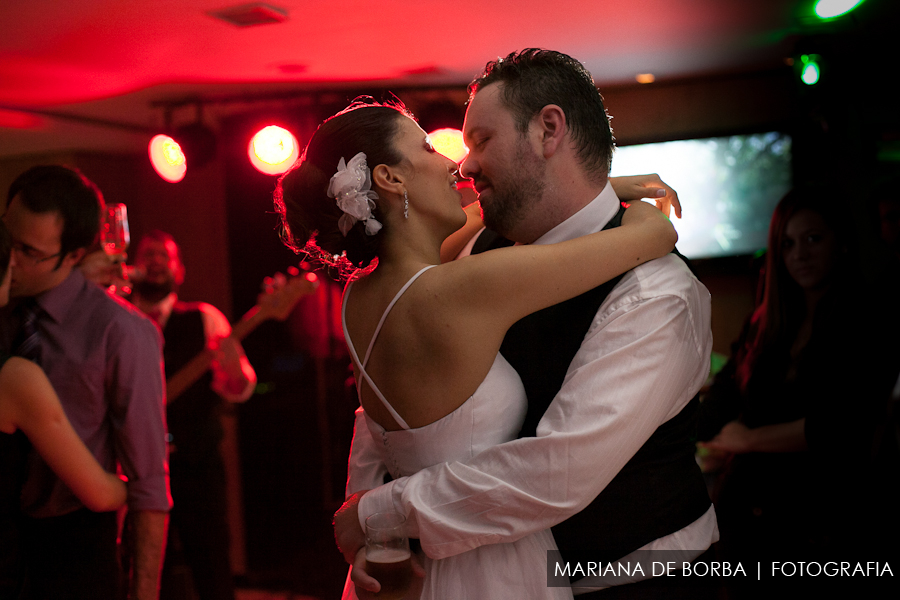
{"x": 104, "y": 361}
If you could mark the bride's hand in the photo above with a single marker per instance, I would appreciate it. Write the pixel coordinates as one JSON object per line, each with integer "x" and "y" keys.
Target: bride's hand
{"x": 348, "y": 535}
{"x": 660, "y": 233}
{"x": 636, "y": 187}
{"x": 367, "y": 588}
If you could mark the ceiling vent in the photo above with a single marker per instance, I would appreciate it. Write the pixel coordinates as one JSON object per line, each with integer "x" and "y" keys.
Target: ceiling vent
{"x": 424, "y": 70}
{"x": 249, "y": 15}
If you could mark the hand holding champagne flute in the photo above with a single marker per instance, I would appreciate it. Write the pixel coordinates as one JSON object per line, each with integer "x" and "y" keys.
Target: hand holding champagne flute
{"x": 114, "y": 232}
{"x": 387, "y": 554}
{"x": 115, "y": 238}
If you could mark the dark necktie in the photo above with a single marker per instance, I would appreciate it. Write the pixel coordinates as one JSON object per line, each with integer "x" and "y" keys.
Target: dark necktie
{"x": 29, "y": 339}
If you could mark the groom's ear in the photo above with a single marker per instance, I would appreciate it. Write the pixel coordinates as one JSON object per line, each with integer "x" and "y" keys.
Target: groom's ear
{"x": 389, "y": 179}
{"x": 551, "y": 125}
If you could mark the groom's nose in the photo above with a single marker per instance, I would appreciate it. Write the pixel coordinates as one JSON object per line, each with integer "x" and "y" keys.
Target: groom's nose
{"x": 468, "y": 168}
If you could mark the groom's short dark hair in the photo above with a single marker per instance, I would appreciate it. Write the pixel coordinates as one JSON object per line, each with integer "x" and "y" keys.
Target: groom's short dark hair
{"x": 533, "y": 78}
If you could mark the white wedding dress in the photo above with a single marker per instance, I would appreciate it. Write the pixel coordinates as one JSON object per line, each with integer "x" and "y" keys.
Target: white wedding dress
{"x": 491, "y": 416}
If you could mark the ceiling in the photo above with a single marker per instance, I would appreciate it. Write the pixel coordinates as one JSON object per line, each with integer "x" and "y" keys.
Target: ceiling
{"x": 110, "y": 65}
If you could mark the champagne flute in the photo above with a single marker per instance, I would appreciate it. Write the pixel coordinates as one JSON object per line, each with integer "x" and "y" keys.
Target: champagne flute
{"x": 114, "y": 233}
{"x": 387, "y": 554}
{"x": 114, "y": 238}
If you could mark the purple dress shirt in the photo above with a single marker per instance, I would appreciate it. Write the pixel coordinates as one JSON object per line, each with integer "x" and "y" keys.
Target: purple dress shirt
{"x": 104, "y": 360}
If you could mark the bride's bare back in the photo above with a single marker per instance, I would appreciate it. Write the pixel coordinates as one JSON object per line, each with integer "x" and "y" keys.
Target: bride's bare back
{"x": 441, "y": 337}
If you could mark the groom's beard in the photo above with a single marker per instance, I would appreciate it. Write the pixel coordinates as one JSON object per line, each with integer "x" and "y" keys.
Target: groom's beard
{"x": 516, "y": 194}
{"x": 153, "y": 292}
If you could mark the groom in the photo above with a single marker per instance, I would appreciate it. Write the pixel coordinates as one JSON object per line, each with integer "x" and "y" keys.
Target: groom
{"x": 605, "y": 455}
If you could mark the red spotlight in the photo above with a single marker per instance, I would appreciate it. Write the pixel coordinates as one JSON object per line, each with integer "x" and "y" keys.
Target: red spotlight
{"x": 449, "y": 142}
{"x": 167, "y": 158}
{"x": 273, "y": 150}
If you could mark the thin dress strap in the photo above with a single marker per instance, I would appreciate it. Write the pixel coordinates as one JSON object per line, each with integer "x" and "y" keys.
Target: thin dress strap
{"x": 362, "y": 364}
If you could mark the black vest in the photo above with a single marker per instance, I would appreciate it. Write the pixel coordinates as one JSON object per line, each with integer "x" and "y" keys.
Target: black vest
{"x": 193, "y": 418}
{"x": 659, "y": 491}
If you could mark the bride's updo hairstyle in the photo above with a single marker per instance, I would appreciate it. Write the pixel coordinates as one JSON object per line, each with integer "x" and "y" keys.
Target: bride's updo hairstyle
{"x": 309, "y": 217}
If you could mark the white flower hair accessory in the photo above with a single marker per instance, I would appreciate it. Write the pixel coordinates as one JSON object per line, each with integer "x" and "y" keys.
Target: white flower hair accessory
{"x": 351, "y": 187}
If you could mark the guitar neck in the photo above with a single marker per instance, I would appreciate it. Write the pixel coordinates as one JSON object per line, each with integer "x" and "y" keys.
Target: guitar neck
{"x": 194, "y": 369}
{"x": 277, "y": 303}
{"x": 252, "y": 319}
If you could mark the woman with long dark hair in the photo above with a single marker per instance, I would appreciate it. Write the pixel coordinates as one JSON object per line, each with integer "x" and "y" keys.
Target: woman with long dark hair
{"x": 798, "y": 399}
{"x": 808, "y": 252}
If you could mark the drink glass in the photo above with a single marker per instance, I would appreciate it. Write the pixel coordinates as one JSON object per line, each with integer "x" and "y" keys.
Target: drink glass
{"x": 114, "y": 231}
{"x": 114, "y": 239}
{"x": 387, "y": 554}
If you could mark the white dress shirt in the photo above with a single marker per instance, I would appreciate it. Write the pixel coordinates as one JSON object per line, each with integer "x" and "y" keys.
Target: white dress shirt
{"x": 643, "y": 359}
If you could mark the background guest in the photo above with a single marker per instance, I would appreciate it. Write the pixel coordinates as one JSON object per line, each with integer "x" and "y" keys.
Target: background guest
{"x": 801, "y": 396}
{"x": 31, "y": 412}
{"x": 103, "y": 359}
{"x": 198, "y": 532}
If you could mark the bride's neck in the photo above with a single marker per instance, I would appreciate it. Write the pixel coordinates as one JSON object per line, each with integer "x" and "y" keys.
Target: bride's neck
{"x": 406, "y": 242}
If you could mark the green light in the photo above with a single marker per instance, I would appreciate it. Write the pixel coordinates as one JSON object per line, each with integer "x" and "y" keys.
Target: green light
{"x": 829, "y": 9}
{"x": 809, "y": 73}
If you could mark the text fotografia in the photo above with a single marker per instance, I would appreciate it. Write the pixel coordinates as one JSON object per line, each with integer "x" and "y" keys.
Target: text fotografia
{"x": 831, "y": 569}
{"x": 641, "y": 565}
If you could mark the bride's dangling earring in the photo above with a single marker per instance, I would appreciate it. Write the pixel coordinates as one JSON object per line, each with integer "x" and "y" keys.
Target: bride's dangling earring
{"x": 405, "y": 205}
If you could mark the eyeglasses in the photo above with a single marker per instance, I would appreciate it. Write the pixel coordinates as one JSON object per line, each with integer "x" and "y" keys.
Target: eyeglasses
{"x": 31, "y": 256}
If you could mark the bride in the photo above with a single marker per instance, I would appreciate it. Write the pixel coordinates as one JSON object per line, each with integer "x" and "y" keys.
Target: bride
{"x": 372, "y": 196}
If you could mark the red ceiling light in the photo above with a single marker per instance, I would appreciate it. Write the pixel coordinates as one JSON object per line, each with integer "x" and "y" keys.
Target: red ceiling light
{"x": 449, "y": 142}
{"x": 167, "y": 158}
{"x": 169, "y": 155}
{"x": 273, "y": 150}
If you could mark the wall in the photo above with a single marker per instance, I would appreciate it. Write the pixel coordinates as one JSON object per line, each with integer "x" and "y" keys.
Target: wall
{"x": 700, "y": 107}
{"x": 706, "y": 108}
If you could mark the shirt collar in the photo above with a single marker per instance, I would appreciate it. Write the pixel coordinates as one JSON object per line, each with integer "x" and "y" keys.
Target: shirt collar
{"x": 590, "y": 219}
{"x": 58, "y": 301}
